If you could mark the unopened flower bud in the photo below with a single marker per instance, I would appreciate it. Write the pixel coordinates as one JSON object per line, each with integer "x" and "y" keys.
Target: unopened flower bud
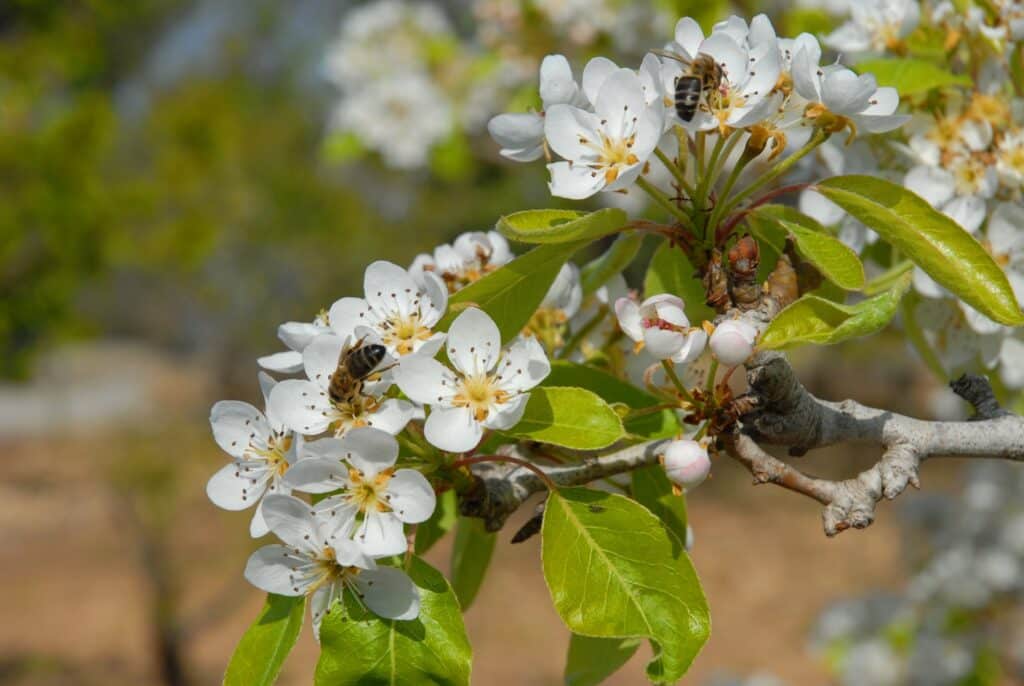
{"x": 686, "y": 463}
{"x": 733, "y": 342}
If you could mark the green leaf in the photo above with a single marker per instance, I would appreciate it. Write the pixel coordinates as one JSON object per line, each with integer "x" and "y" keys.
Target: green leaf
{"x": 357, "y": 647}
{"x": 614, "y": 390}
{"x": 261, "y": 653}
{"x": 512, "y": 293}
{"x": 836, "y": 261}
{"x": 671, "y": 272}
{"x": 932, "y": 240}
{"x": 561, "y": 226}
{"x": 596, "y": 273}
{"x": 815, "y": 320}
{"x": 911, "y": 76}
{"x": 471, "y": 555}
{"x": 652, "y": 489}
{"x": 569, "y": 417}
{"x": 592, "y": 660}
{"x": 441, "y": 522}
{"x": 615, "y": 572}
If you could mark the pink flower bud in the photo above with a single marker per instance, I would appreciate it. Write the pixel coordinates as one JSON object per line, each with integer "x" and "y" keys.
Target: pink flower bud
{"x": 733, "y": 342}
{"x": 686, "y": 463}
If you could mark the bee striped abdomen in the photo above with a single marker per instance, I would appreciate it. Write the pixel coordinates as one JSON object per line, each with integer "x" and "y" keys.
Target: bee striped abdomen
{"x": 688, "y": 91}
{"x": 355, "y": 365}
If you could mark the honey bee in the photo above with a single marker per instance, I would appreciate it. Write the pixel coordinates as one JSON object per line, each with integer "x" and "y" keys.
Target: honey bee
{"x": 355, "y": 364}
{"x": 703, "y": 75}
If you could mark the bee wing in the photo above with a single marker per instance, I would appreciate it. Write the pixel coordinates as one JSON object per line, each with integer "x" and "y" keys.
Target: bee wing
{"x": 673, "y": 56}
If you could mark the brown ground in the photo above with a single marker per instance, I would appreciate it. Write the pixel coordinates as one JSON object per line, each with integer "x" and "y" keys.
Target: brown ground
{"x": 78, "y": 604}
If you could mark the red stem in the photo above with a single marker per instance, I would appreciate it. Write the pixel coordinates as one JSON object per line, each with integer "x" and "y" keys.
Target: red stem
{"x": 514, "y": 460}
{"x": 726, "y": 229}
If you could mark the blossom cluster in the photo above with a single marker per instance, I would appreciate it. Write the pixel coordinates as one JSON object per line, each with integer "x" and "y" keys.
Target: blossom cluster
{"x": 962, "y": 151}
{"x": 608, "y": 127}
{"x": 330, "y": 431}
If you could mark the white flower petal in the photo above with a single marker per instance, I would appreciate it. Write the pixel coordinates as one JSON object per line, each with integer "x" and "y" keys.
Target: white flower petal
{"x": 392, "y": 415}
{"x": 287, "y": 362}
{"x": 389, "y": 593}
{"x": 321, "y": 358}
{"x": 348, "y": 313}
{"x": 571, "y": 132}
{"x": 575, "y": 182}
{"x": 935, "y": 185}
{"x": 231, "y": 489}
{"x": 453, "y": 429}
{"x": 381, "y": 534}
{"x": 689, "y": 36}
{"x": 595, "y": 74}
{"x": 297, "y": 335}
{"x": 389, "y": 288}
{"x": 508, "y": 413}
{"x": 425, "y": 380}
{"x": 524, "y": 365}
{"x": 301, "y": 405}
{"x": 292, "y": 521}
{"x": 732, "y": 58}
{"x": 235, "y": 423}
{"x": 520, "y": 135}
{"x": 370, "y": 450}
{"x": 474, "y": 342}
{"x": 258, "y": 524}
{"x": 316, "y": 475}
{"x": 630, "y": 321}
{"x": 270, "y": 569}
{"x": 557, "y": 84}
{"x": 412, "y": 497}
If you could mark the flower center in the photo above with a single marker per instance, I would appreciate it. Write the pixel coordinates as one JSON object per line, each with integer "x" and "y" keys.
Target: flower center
{"x": 615, "y": 152}
{"x": 354, "y": 414}
{"x": 969, "y": 176}
{"x": 403, "y": 333}
{"x": 274, "y": 453}
{"x": 369, "y": 494}
{"x": 479, "y": 393}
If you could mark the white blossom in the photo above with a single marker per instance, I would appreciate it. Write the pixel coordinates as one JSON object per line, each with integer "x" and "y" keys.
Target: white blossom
{"x": 841, "y": 99}
{"x": 875, "y": 26}
{"x": 262, "y": 449}
{"x": 733, "y": 342}
{"x": 375, "y": 499}
{"x": 311, "y": 563}
{"x": 604, "y": 150}
{"x": 471, "y": 256}
{"x": 659, "y": 325}
{"x": 750, "y": 61}
{"x": 686, "y": 463}
{"x": 401, "y": 117}
{"x": 400, "y": 310}
{"x": 487, "y": 389}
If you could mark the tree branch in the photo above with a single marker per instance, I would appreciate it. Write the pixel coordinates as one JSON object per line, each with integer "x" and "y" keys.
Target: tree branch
{"x": 779, "y": 410}
{"x": 500, "y": 488}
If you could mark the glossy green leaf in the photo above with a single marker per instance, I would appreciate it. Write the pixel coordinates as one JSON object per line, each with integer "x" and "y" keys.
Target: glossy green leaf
{"x": 596, "y": 273}
{"x": 570, "y": 417}
{"x": 471, "y": 555}
{"x": 440, "y": 523}
{"x": 512, "y": 293}
{"x": 836, "y": 261}
{"x": 671, "y": 272}
{"x": 652, "y": 489}
{"x": 561, "y": 226}
{"x": 591, "y": 660}
{"x": 359, "y": 648}
{"x": 932, "y": 240}
{"x": 614, "y": 571}
{"x": 911, "y": 76}
{"x": 614, "y": 390}
{"x": 261, "y": 652}
{"x": 815, "y": 320}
